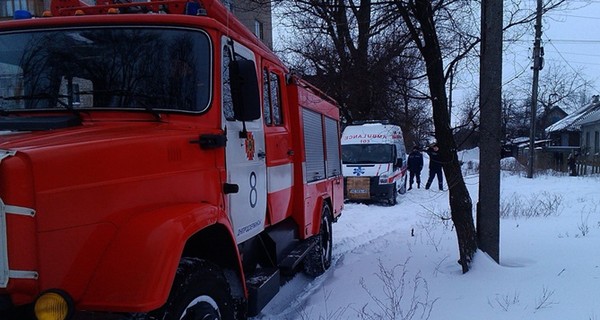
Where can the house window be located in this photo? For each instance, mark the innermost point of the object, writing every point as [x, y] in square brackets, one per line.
[258, 29]
[8, 7]
[76, 94]
[596, 142]
[587, 142]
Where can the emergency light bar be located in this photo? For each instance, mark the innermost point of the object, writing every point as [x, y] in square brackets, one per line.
[22, 14]
[76, 7]
[359, 122]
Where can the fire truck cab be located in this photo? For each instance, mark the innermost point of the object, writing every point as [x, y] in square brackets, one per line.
[157, 161]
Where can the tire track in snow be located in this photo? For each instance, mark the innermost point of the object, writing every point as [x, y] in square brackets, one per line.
[359, 228]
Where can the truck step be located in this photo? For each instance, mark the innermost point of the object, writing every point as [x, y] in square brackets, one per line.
[262, 286]
[295, 257]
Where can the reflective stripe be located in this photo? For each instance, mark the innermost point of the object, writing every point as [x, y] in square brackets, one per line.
[280, 177]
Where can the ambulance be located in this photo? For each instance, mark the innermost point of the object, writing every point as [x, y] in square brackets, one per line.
[373, 162]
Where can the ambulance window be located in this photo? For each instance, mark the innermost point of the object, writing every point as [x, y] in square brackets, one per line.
[266, 98]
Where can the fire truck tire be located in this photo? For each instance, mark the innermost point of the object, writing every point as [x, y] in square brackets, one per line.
[200, 291]
[318, 259]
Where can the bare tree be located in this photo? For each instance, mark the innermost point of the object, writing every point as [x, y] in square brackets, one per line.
[559, 86]
[562, 86]
[359, 50]
[418, 15]
[356, 51]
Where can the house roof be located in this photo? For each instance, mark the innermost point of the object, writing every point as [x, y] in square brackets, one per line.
[593, 116]
[573, 122]
[557, 109]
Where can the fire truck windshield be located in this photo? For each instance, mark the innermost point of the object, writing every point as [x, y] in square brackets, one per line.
[105, 68]
[367, 153]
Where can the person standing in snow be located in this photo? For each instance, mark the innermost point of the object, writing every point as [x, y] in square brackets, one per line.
[435, 166]
[415, 165]
[572, 162]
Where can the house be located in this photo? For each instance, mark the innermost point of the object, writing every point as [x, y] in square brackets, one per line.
[590, 134]
[255, 15]
[550, 116]
[577, 132]
[567, 132]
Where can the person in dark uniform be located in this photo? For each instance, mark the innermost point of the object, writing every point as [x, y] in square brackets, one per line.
[435, 166]
[415, 165]
[572, 162]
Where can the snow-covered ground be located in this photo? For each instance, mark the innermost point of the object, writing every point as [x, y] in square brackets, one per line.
[400, 262]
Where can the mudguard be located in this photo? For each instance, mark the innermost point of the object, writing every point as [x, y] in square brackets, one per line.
[316, 217]
[138, 267]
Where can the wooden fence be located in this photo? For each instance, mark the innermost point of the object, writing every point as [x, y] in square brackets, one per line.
[588, 166]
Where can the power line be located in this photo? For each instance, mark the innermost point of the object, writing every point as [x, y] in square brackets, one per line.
[574, 62]
[578, 41]
[579, 54]
[569, 65]
[578, 16]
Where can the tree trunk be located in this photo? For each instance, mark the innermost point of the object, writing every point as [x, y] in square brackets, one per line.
[461, 206]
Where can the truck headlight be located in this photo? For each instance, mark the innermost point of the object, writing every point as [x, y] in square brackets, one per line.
[53, 305]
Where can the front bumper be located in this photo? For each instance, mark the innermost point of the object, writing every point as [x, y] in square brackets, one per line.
[8, 312]
[366, 188]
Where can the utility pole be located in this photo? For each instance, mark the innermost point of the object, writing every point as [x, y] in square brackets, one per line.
[490, 105]
[538, 64]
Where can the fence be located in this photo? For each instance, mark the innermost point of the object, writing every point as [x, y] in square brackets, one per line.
[588, 166]
[557, 161]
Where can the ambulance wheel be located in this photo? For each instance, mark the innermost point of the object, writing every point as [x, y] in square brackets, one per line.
[200, 291]
[318, 259]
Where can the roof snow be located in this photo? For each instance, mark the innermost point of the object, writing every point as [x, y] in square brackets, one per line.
[573, 122]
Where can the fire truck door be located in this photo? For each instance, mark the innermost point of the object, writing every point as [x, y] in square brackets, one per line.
[245, 158]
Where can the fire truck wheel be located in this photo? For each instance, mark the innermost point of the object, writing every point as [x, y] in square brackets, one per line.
[319, 257]
[200, 291]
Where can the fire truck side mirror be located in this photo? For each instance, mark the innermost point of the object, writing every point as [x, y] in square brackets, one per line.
[244, 90]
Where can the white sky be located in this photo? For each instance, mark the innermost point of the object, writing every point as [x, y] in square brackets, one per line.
[570, 37]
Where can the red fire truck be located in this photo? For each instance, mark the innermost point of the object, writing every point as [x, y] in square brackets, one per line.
[156, 162]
